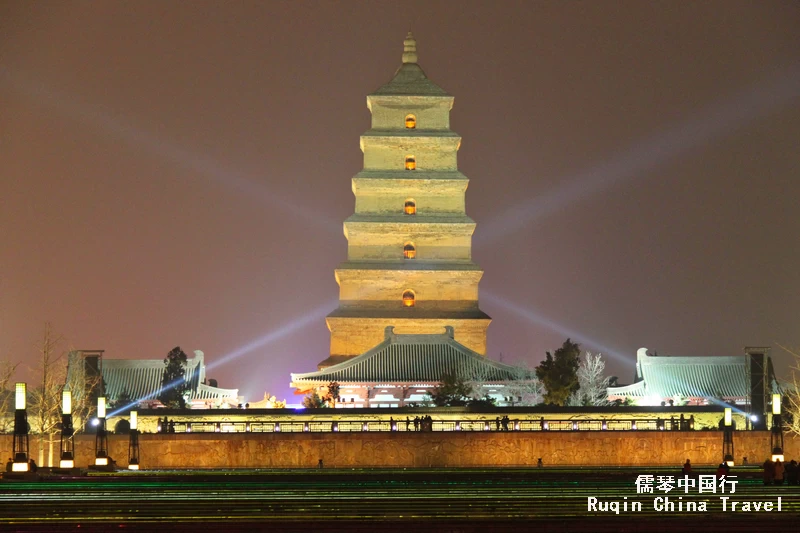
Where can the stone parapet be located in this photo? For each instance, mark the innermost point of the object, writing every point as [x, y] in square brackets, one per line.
[401, 450]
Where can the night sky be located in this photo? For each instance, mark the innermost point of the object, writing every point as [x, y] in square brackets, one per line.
[178, 173]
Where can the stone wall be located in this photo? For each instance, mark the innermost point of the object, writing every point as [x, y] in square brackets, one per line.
[441, 449]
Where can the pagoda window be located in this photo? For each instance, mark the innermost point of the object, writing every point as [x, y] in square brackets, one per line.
[411, 122]
[409, 298]
[411, 162]
[409, 251]
[410, 207]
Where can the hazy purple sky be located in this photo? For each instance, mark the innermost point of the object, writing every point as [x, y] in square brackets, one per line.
[177, 173]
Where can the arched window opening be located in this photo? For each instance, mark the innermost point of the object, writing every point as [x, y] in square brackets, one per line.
[411, 122]
[411, 162]
[410, 207]
[409, 298]
[409, 251]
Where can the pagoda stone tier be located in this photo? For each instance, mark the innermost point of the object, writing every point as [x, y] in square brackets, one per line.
[409, 241]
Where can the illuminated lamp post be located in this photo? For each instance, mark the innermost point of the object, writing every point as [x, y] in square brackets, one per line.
[67, 430]
[20, 430]
[101, 440]
[133, 443]
[776, 435]
[727, 438]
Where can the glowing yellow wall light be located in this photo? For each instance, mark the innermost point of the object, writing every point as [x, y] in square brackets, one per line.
[134, 420]
[776, 404]
[101, 407]
[728, 416]
[21, 393]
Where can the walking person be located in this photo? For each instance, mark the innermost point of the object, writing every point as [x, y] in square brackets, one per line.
[769, 472]
[791, 473]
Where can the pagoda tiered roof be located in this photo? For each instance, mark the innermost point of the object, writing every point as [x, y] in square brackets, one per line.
[410, 79]
[412, 359]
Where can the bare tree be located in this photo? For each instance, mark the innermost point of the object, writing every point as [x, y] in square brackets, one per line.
[524, 388]
[593, 383]
[791, 394]
[7, 370]
[45, 405]
[85, 388]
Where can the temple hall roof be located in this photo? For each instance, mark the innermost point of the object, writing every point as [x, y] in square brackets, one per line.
[411, 359]
[698, 377]
[141, 378]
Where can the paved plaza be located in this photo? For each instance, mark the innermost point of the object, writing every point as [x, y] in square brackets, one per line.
[458, 500]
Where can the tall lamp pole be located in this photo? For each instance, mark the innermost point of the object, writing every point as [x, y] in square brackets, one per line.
[727, 438]
[67, 431]
[133, 444]
[101, 440]
[776, 435]
[20, 429]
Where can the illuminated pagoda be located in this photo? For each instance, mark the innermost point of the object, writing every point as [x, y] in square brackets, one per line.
[140, 379]
[409, 242]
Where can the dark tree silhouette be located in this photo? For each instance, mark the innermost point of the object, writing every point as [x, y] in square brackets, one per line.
[173, 382]
[559, 373]
[313, 401]
[452, 391]
[333, 393]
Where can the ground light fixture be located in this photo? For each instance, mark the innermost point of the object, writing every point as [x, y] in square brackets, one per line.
[21, 441]
[133, 443]
[101, 439]
[727, 438]
[776, 434]
[67, 431]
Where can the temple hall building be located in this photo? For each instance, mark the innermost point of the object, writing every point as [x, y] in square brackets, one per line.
[746, 381]
[409, 254]
[140, 380]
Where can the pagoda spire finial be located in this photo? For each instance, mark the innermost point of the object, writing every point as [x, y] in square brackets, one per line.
[410, 49]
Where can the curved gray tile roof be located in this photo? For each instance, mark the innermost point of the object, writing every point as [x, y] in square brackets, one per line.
[412, 358]
[141, 378]
[705, 376]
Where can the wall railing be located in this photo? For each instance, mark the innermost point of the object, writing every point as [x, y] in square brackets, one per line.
[423, 425]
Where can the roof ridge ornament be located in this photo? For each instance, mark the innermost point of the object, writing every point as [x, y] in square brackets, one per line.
[409, 49]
